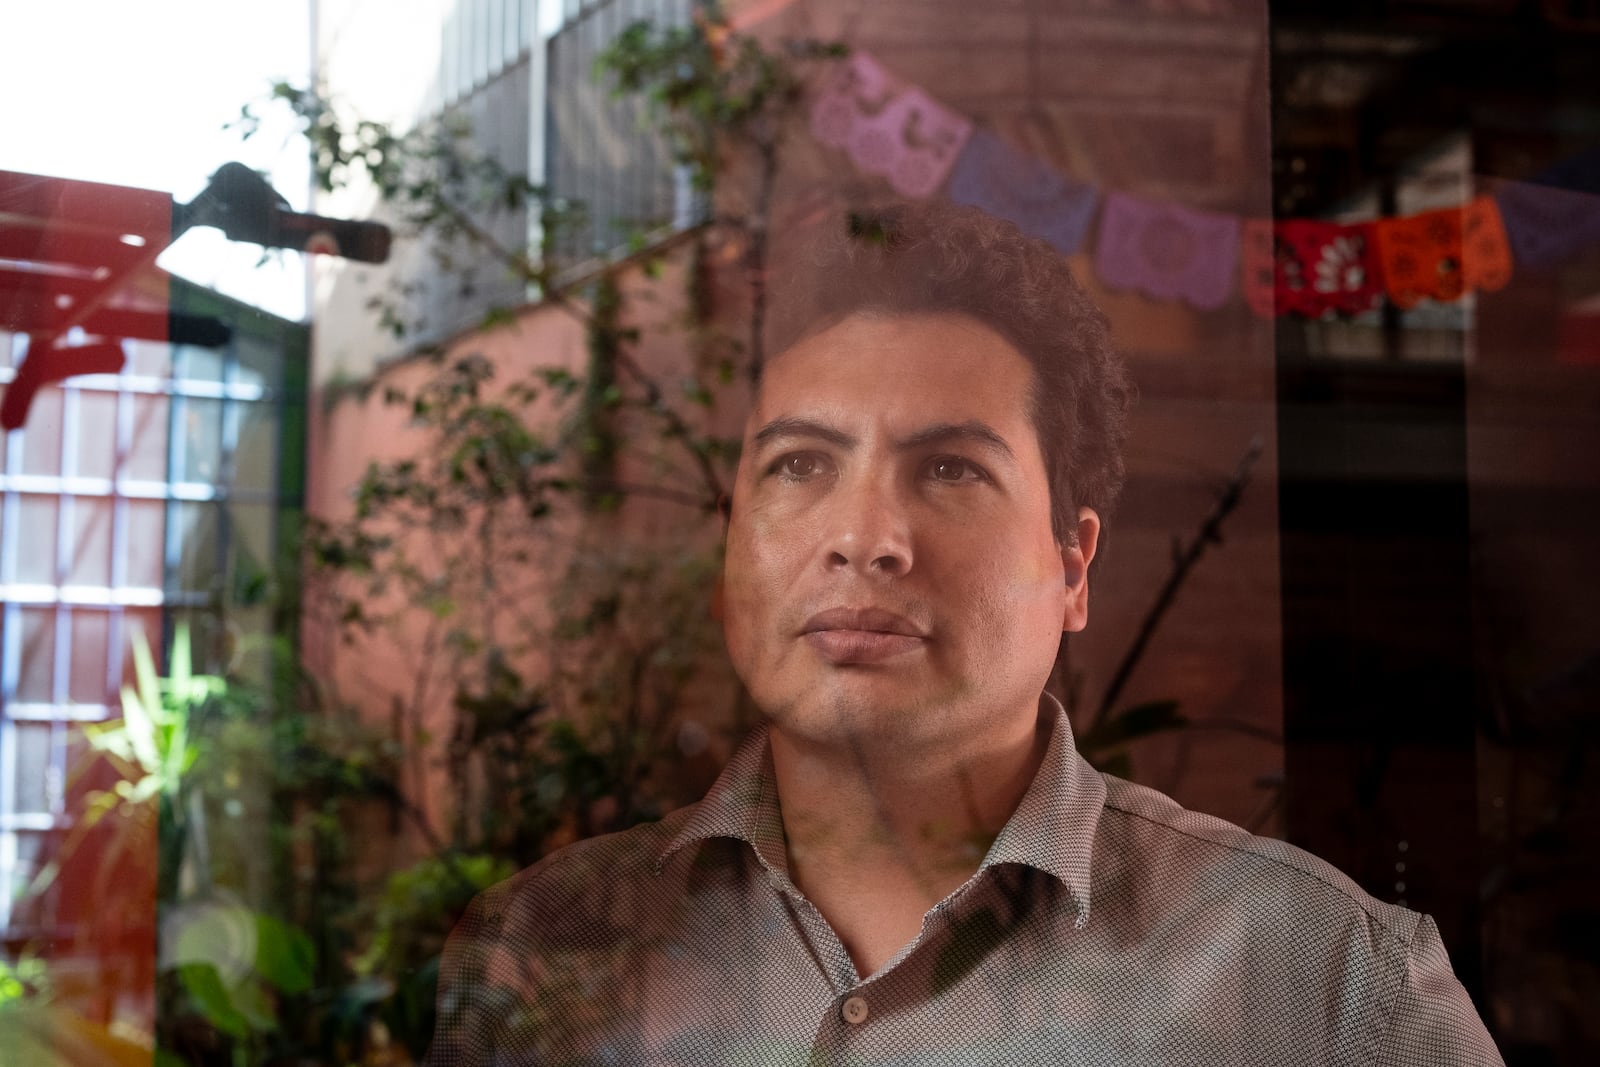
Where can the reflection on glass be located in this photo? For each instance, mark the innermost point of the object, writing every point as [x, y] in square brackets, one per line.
[150, 358]
[147, 452]
[259, 363]
[137, 622]
[199, 454]
[198, 567]
[36, 547]
[97, 434]
[26, 909]
[209, 646]
[41, 435]
[255, 458]
[36, 678]
[146, 552]
[91, 645]
[252, 549]
[197, 364]
[30, 792]
[90, 562]
[249, 655]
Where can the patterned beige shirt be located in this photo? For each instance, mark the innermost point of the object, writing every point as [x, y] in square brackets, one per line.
[1106, 925]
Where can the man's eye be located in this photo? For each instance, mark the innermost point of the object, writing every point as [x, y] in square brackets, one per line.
[953, 469]
[802, 465]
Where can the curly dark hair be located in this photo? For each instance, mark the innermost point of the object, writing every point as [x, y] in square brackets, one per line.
[929, 257]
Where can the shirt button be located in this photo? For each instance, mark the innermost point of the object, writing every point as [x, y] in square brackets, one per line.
[854, 1011]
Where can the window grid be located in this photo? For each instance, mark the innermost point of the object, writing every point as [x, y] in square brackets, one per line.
[64, 607]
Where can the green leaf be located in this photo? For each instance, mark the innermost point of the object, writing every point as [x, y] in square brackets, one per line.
[141, 709]
[204, 984]
[182, 664]
[139, 731]
[255, 1003]
[285, 957]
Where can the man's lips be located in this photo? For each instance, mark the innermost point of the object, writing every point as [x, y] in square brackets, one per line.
[861, 635]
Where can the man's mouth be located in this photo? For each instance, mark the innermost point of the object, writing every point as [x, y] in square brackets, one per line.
[850, 636]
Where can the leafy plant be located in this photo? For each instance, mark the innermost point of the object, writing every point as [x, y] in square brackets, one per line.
[149, 749]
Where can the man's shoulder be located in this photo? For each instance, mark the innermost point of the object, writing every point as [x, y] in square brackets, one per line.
[1161, 838]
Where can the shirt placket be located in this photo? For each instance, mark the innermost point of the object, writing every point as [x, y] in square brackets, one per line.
[850, 1032]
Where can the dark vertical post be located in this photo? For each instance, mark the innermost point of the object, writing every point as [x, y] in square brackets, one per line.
[1379, 717]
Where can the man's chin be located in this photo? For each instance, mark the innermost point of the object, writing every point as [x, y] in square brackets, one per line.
[852, 711]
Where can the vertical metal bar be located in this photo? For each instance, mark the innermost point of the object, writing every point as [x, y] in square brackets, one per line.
[630, 171]
[10, 661]
[609, 174]
[177, 406]
[66, 528]
[586, 29]
[10, 655]
[227, 472]
[119, 529]
[8, 853]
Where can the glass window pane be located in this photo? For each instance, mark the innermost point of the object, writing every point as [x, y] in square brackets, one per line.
[255, 460]
[251, 549]
[147, 453]
[152, 358]
[36, 673]
[197, 364]
[91, 640]
[137, 621]
[147, 524]
[37, 518]
[41, 434]
[198, 453]
[209, 647]
[198, 567]
[97, 433]
[26, 909]
[250, 643]
[90, 563]
[260, 362]
[32, 750]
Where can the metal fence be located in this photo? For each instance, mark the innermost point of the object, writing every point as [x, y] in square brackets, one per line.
[600, 152]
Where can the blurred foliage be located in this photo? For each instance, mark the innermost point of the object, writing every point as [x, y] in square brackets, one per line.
[551, 639]
[554, 654]
[709, 89]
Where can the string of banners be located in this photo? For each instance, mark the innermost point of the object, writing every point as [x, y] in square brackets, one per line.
[895, 130]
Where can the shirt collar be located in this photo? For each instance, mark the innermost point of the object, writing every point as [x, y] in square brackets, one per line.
[1052, 829]
[741, 804]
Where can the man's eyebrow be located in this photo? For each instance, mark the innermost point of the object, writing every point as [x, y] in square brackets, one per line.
[972, 431]
[799, 426]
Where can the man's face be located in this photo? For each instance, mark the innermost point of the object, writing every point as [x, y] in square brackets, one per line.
[891, 570]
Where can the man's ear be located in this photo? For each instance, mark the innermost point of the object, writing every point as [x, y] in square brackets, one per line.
[1075, 560]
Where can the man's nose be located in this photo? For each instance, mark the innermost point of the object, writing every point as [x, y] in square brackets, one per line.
[869, 528]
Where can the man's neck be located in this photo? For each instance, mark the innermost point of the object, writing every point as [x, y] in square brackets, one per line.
[876, 836]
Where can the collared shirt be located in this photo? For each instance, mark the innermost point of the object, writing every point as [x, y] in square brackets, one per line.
[1106, 925]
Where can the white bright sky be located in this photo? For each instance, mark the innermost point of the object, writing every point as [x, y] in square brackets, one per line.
[137, 92]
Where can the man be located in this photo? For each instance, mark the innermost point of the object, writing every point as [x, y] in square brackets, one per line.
[909, 863]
